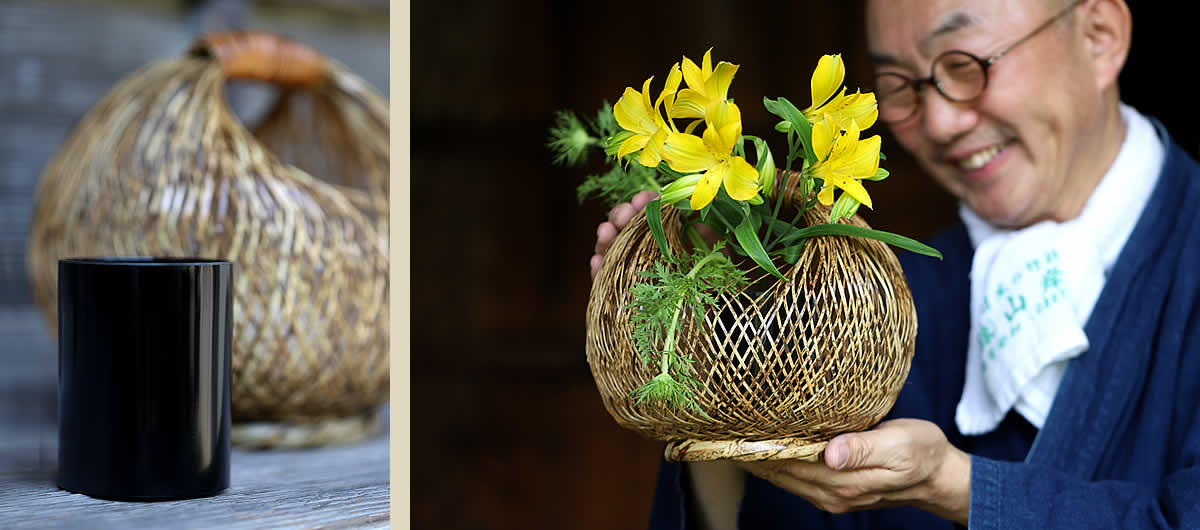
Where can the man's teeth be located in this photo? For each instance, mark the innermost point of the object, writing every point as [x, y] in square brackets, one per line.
[977, 160]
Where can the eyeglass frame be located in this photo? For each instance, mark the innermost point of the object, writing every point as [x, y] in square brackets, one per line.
[985, 64]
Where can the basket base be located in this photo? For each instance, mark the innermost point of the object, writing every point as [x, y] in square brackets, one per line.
[743, 450]
[326, 432]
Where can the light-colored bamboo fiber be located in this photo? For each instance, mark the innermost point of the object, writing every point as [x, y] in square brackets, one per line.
[824, 353]
[162, 167]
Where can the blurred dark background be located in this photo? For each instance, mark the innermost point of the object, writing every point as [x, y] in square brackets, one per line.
[508, 428]
[508, 431]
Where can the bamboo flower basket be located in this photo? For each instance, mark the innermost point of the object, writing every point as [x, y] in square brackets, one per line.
[782, 367]
[162, 167]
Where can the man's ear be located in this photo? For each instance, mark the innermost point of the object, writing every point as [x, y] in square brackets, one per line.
[1107, 27]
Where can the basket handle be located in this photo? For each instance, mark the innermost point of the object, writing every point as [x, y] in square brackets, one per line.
[262, 56]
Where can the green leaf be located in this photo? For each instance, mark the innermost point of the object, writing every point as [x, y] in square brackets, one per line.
[569, 139]
[765, 164]
[654, 219]
[684, 204]
[792, 253]
[694, 238]
[858, 231]
[785, 109]
[879, 175]
[615, 141]
[782, 228]
[748, 238]
[728, 212]
[616, 186]
[663, 167]
[755, 220]
[605, 124]
[844, 206]
[680, 188]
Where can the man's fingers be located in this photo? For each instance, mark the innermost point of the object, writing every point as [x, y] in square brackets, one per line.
[618, 217]
[642, 198]
[882, 446]
[596, 263]
[621, 215]
[605, 233]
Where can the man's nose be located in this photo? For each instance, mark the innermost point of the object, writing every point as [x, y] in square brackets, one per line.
[943, 119]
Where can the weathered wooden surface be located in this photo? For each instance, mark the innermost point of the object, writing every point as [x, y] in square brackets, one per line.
[335, 487]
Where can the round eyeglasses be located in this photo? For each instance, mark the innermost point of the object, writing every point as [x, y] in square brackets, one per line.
[956, 75]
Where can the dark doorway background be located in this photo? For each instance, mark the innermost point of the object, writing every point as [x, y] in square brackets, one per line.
[508, 429]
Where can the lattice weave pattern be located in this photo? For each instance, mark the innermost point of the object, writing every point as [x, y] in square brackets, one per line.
[162, 167]
[824, 353]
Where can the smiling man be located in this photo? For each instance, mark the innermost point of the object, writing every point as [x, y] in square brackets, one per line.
[1056, 382]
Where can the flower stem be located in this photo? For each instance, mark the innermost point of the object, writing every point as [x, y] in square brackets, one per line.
[653, 184]
[669, 346]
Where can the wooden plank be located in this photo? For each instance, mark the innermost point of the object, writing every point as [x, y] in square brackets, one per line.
[334, 487]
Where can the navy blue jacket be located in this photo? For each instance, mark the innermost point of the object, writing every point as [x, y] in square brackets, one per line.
[1121, 445]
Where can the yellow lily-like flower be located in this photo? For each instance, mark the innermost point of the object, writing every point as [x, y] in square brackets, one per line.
[829, 102]
[707, 87]
[712, 156]
[636, 114]
[845, 160]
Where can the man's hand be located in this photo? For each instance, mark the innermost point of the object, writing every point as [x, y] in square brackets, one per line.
[617, 219]
[900, 462]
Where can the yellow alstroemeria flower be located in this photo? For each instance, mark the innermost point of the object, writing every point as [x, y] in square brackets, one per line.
[636, 114]
[706, 88]
[713, 156]
[845, 160]
[828, 101]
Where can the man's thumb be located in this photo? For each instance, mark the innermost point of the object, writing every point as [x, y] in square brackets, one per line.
[847, 451]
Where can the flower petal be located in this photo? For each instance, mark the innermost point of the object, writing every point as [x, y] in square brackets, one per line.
[855, 189]
[646, 95]
[707, 68]
[706, 189]
[669, 89]
[824, 132]
[687, 153]
[631, 115]
[864, 161]
[742, 180]
[826, 194]
[689, 104]
[826, 79]
[726, 119]
[652, 154]
[692, 75]
[844, 146]
[713, 142]
[717, 86]
[858, 107]
[633, 144]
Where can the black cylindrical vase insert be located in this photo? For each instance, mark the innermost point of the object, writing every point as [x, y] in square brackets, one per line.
[143, 377]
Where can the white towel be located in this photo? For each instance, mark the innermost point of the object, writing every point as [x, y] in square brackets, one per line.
[1033, 289]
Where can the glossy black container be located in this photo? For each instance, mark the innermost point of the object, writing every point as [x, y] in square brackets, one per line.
[143, 377]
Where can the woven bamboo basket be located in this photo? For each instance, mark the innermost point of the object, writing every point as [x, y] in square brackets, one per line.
[782, 367]
[161, 166]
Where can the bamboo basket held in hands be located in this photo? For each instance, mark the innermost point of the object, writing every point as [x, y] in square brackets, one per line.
[162, 167]
[781, 371]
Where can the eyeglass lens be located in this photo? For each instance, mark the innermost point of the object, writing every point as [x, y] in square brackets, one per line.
[958, 76]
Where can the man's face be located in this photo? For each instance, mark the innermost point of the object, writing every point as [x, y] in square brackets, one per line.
[1011, 153]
